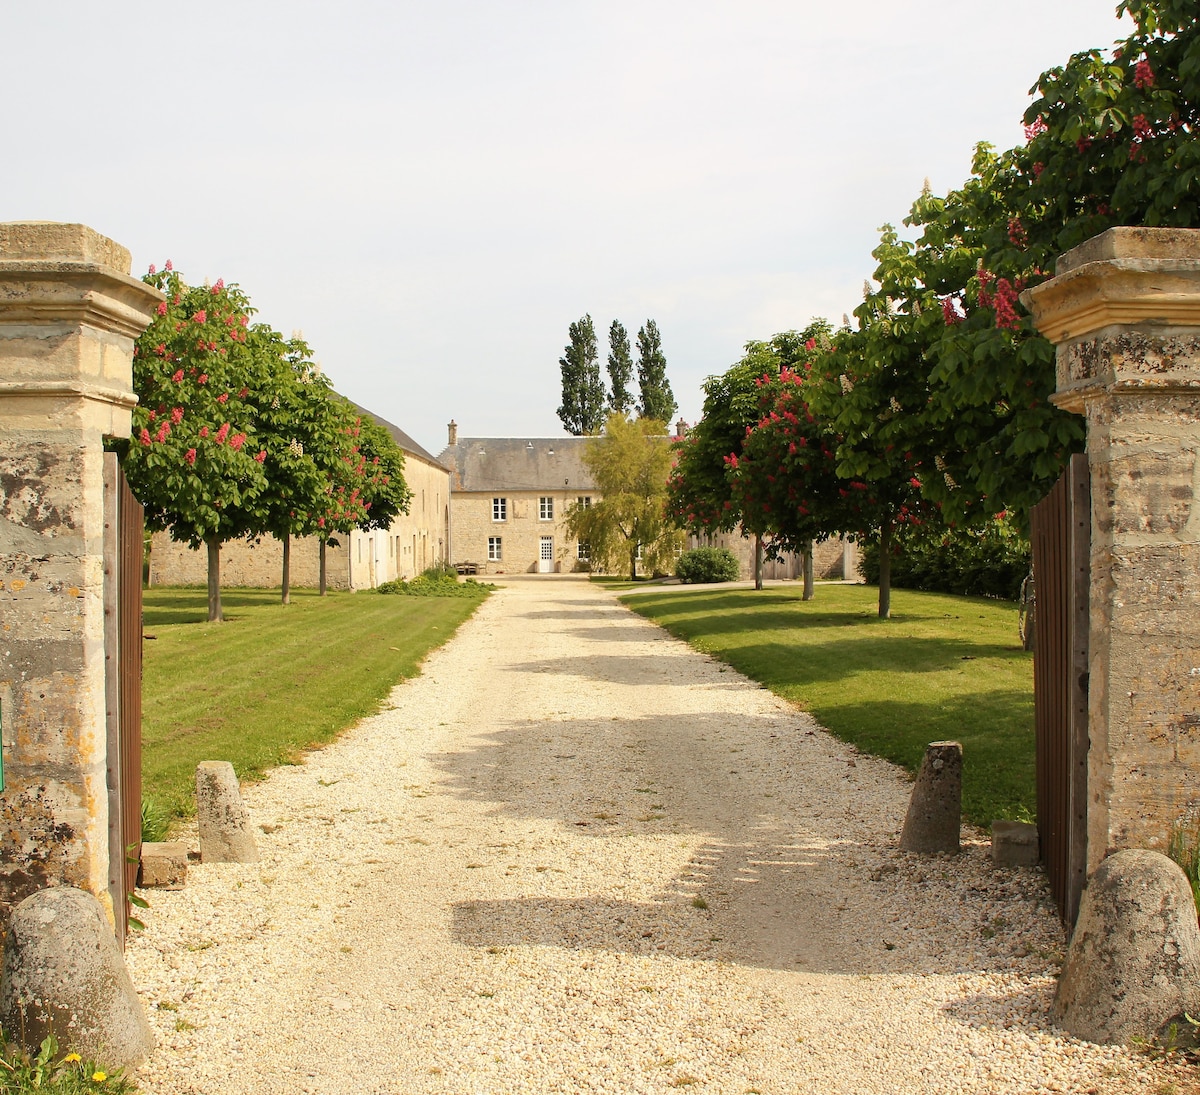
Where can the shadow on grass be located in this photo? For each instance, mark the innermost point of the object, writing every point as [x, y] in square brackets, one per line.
[162, 606]
[729, 610]
[782, 666]
[999, 778]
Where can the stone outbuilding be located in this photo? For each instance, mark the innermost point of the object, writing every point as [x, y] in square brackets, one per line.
[364, 559]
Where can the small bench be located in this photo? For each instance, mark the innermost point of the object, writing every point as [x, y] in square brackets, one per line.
[466, 568]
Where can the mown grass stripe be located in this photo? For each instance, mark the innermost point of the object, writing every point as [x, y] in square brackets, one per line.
[272, 680]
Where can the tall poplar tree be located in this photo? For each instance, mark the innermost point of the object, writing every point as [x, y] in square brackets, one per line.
[583, 395]
[657, 399]
[620, 368]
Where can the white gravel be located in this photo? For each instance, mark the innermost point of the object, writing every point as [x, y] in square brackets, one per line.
[577, 856]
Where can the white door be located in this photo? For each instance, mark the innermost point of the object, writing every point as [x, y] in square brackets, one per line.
[546, 556]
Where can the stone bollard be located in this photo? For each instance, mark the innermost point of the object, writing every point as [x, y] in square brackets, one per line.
[1133, 966]
[225, 835]
[935, 808]
[64, 975]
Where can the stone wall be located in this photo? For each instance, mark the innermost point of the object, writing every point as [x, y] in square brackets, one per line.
[256, 564]
[829, 558]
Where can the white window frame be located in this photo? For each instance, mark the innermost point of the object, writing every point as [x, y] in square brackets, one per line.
[546, 507]
[499, 509]
[584, 501]
[495, 549]
[583, 551]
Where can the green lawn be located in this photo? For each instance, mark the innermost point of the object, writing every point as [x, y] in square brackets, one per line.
[942, 668]
[272, 680]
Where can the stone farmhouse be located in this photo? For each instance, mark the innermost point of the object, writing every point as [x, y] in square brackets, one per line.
[509, 497]
[362, 560]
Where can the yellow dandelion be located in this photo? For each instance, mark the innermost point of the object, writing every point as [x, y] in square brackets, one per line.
[99, 1077]
[74, 1058]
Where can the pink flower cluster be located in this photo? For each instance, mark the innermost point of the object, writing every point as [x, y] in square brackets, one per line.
[1143, 75]
[1000, 300]
[1035, 128]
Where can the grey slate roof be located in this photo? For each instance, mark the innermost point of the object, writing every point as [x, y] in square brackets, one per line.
[399, 436]
[517, 463]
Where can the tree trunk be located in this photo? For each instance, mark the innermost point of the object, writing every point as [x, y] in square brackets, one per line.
[806, 559]
[214, 579]
[758, 560]
[633, 563]
[286, 582]
[885, 570]
[322, 580]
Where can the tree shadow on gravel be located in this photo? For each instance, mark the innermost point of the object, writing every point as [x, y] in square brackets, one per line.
[790, 866]
[629, 669]
[1026, 1008]
[580, 610]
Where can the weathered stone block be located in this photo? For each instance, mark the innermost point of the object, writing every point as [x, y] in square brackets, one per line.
[64, 975]
[935, 808]
[1014, 844]
[164, 864]
[1133, 966]
[225, 835]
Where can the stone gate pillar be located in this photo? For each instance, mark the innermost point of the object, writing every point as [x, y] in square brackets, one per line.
[1124, 313]
[69, 314]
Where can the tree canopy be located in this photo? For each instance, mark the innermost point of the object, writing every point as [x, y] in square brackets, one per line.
[656, 400]
[620, 369]
[583, 395]
[629, 462]
[701, 495]
[237, 434]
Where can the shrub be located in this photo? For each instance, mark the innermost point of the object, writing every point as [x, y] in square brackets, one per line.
[436, 582]
[708, 564]
[990, 561]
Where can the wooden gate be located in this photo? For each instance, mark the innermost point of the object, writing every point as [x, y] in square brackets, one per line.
[1061, 535]
[123, 552]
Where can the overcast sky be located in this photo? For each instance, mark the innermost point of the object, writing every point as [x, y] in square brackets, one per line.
[432, 192]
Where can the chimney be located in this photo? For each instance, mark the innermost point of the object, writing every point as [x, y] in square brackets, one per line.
[452, 427]
[680, 428]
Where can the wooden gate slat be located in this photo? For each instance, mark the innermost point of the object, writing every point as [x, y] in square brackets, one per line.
[1060, 534]
[123, 682]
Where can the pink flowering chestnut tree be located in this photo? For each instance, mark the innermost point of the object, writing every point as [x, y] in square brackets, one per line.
[194, 459]
[701, 496]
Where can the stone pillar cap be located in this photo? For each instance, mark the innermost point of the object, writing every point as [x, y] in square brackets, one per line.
[54, 242]
[1123, 277]
[1171, 244]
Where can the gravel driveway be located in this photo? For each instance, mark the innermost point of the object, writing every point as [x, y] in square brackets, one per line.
[577, 856]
